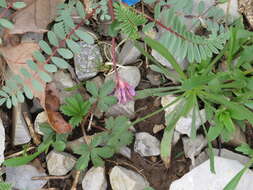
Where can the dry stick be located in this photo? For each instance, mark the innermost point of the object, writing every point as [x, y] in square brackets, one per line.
[34, 136]
[19, 153]
[51, 177]
[76, 179]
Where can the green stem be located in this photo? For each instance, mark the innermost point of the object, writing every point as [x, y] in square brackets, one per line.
[154, 113]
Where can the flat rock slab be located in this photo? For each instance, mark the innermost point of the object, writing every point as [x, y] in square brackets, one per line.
[20, 177]
[201, 178]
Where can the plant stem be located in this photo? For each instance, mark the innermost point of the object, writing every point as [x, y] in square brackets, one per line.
[154, 113]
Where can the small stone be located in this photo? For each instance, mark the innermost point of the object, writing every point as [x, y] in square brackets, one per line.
[122, 178]
[154, 78]
[62, 81]
[36, 108]
[2, 142]
[75, 143]
[184, 124]
[95, 179]
[60, 163]
[202, 178]
[40, 118]
[130, 74]
[21, 133]
[157, 128]
[125, 151]
[176, 137]
[88, 61]
[233, 10]
[20, 177]
[129, 53]
[146, 144]
[122, 110]
[192, 147]
[32, 37]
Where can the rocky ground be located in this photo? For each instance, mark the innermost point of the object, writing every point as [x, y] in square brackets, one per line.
[137, 166]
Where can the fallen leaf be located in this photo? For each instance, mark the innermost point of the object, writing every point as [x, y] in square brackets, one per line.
[35, 17]
[58, 123]
[16, 58]
[55, 118]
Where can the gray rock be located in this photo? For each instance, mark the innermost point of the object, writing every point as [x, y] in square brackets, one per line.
[20, 177]
[184, 124]
[40, 118]
[131, 75]
[192, 147]
[2, 142]
[62, 81]
[146, 144]
[95, 179]
[233, 10]
[60, 163]
[129, 53]
[122, 178]
[32, 37]
[154, 78]
[36, 106]
[88, 61]
[202, 178]
[238, 138]
[74, 143]
[203, 156]
[21, 133]
[122, 109]
[125, 151]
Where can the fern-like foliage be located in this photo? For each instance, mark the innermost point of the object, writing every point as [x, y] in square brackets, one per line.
[61, 45]
[128, 20]
[187, 44]
[76, 108]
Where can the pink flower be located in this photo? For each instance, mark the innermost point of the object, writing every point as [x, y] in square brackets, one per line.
[124, 92]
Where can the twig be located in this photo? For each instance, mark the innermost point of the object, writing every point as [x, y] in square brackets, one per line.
[76, 179]
[34, 136]
[51, 177]
[19, 153]
[90, 122]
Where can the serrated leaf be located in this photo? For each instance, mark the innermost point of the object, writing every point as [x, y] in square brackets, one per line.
[65, 53]
[59, 146]
[92, 88]
[104, 152]
[107, 88]
[45, 47]
[52, 38]
[5, 23]
[82, 162]
[75, 48]
[59, 62]
[85, 36]
[96, 160]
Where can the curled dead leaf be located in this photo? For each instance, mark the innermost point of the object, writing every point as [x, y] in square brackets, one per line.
[55, 118]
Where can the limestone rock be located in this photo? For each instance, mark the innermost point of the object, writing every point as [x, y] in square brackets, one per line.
[95, 179]
[2, 142]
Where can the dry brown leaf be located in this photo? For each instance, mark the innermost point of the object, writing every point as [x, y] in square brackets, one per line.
[16, 57]
[55, 118]
[35, 17]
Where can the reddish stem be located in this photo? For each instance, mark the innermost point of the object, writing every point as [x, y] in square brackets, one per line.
[5, 10]
[62, 42]
[113, 42]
